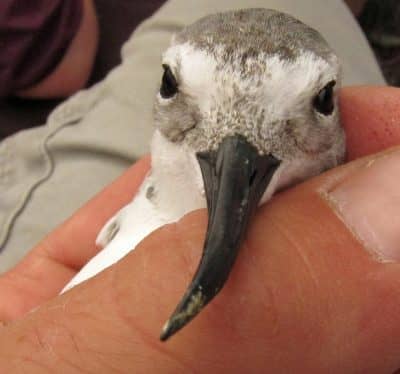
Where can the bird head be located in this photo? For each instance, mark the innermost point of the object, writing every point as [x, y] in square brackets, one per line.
[252, 94]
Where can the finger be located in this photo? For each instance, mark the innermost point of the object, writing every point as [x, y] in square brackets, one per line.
[370, 116]
[57, 258]
[307, 293]
[296, 281]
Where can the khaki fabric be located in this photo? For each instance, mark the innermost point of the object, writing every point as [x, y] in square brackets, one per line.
[46, 173]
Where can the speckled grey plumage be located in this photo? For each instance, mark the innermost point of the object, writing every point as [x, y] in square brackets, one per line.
[254, 31]
[241, 42]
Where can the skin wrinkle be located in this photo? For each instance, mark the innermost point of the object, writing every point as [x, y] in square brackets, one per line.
[58, 336]
[269, 304]
[74, 342]
[34, 276]
[48, 249]
[279, 226]
[61, 305]
[52, 246]
[100, 359]
[146, 337]
[288, 235]
[102, 356]
[39, 339]
[79, 365]
[37, 345]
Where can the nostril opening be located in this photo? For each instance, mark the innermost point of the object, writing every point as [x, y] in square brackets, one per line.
[252, 177]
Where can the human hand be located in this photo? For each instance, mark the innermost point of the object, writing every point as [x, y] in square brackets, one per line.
[307, 293]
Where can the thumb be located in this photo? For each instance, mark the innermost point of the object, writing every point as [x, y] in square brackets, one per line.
[316, 288]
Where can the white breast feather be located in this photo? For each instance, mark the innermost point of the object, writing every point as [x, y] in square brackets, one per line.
[174, 196]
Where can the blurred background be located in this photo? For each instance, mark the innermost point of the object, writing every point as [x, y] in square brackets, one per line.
[380, 21]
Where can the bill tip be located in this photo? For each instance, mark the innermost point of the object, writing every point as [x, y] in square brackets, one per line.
[166, 331]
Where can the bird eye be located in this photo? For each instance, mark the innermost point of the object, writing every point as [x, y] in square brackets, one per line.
[324, 101]
[169, 85]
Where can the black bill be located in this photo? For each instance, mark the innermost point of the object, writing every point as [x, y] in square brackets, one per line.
[235, 178]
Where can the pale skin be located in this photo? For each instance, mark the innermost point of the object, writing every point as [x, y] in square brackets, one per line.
[73, 71]
[304, 295]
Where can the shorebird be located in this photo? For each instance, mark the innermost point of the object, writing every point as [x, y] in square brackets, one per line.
[247, 106]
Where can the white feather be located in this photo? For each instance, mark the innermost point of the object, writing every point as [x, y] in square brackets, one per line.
[179, 190]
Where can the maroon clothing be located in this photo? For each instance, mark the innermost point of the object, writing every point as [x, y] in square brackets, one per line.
[117, 19]
[34, 36]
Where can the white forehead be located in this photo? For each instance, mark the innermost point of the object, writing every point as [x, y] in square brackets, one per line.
[283, 85]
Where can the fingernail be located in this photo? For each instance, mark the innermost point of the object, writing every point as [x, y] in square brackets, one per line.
[369, 204]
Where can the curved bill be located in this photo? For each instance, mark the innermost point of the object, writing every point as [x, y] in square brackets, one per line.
[235, 178]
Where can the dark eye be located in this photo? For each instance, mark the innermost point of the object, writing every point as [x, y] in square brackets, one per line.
[324, 101]
[169, 85]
